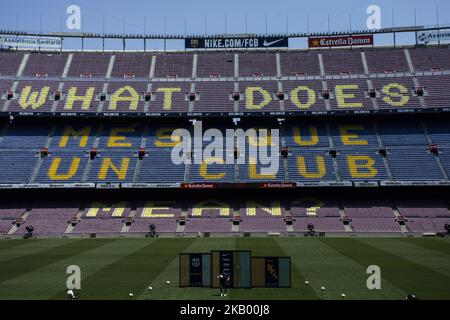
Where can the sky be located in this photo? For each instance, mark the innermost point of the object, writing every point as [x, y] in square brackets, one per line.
[215, 17]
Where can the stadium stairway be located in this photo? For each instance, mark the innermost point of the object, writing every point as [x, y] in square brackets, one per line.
[331, 144]
[40, 161]
[430, 142]
[180, 228]
[415, 80]
[78, 216]
[236, 214]
[63, 76]
[324, 82]
[347, 227]
[67, 66]
[236, 84]
[18, 75]
[386, 163]
[280, 84]
[23, 217]
[143, 143]
[369, 81]
[288, 214]
[13, 229]
[125, 227]
[194, 75]
[95, 145]
[106, 84]
[403, 228]
[149, 85]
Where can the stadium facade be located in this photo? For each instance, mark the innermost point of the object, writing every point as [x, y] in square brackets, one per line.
[98, 125]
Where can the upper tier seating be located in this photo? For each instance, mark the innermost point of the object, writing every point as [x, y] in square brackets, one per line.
[327, 151]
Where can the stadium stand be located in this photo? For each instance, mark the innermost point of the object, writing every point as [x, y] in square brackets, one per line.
[131, 66]
[215, 65]
[363, 216]
[89, 65]
[342, 62]
[123, 108]
[369, 80]
[50, 219]
[45, 65]
[10, 62]
[349, 151]
[299, 64]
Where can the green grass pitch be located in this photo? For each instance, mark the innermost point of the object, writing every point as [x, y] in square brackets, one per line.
[113, 268]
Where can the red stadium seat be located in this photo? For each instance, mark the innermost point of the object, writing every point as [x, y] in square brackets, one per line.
[44, 152]
[434, 149]
[93, 153]
[141, 153]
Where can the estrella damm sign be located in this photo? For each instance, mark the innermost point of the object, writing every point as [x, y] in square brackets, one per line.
[341, 41]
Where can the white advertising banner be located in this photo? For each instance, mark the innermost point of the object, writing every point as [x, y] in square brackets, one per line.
[30, 42]
[434, 36]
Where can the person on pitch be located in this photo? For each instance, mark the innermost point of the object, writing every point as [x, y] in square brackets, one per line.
[224, 282]
[71, 295]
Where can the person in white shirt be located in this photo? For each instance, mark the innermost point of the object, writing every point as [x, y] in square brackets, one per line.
[71, 295]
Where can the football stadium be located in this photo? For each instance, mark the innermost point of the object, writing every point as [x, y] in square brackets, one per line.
[236, 161]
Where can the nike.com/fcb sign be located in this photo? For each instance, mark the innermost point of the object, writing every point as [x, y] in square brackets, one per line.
[341, 41]
[236, 43]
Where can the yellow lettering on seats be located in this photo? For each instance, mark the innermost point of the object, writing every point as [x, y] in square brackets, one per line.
[295, 99]
[108, 164]
[168, 92]
[34, 99]
[302, 168]
[355, 166]
[299, 140]
[118, 141]
[395, 94]
[166, 134]
[224, 209]
[150, 207]
[204, 169]
[351, 139]
[73, 97]
[53, 171]
[311, 205]
[274, 210]
[118, 211]
[253, 171]
[341, 96]
[261, 140]
[69, 131]
[132, 98]
[249, 98]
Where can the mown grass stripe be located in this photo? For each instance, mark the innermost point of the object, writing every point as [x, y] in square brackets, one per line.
[134, 272]
[8, 244]
[322, 265]
[30, 262]
[118, 266]
[271, 247]
[441, 245]
[50, 281]
[404, 274]
[434, 260]
[30, 247]
[95, 260]
[162, 291]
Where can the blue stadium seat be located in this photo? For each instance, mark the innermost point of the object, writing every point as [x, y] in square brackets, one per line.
[17, 167]
[318, 165]
[413, 164]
